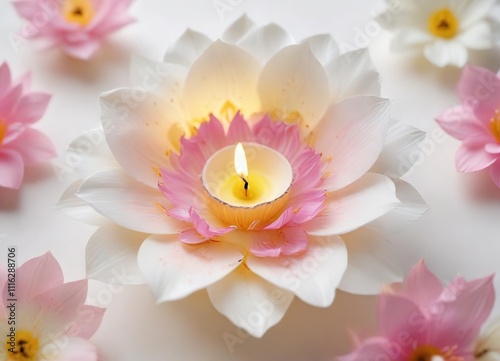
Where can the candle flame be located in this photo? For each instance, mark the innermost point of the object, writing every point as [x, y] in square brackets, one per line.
[240, 162]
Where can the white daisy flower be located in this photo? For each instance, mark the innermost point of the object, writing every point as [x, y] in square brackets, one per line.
[444, 29]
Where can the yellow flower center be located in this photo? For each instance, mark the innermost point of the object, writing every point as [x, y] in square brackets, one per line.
[23, 347]
[79, 12]
[432, 353]
[3, 130]
[494, 125]
[443, 23]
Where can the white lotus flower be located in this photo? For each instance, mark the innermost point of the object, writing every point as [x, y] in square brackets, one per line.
[174, 210]
[443, 29]
[488, 345]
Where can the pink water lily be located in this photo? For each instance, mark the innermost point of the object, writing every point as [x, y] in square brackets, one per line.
[476, 122]
[77, 26]
[317, 111]
[43, 318]
[422, 320]
[20, 144]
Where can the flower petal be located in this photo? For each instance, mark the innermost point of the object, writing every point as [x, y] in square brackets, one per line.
[401, 150]
[411, 209]
[263, 42]
[273, 243]
[473, 158]
[323, 46]
[187, 48]
[75, 349]
[400, 314]
[37, 276]
[461, 123]
[409, 37]
[351, 137]
[12, 165]
[111, 255]
[371, 262]
[422, 286]
[352, 74]
[77, 208]
[312, 275]
[222, 78]
[442, 53]
[140, 136]
[175, 270]
[34, 146]
[294, 82]
[129, 203]
[480, 89]
[83, 49]
[162, 79]
[87, 322]
[5, 78]
[89, 154]
[464, 308]
[238, 29]
[249, 302]
[475, 10]
[369, 349]
[478, 36]
[495, 173]
[31, 107]
[368, 198]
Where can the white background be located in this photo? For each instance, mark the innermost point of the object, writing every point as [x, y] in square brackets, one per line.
[460, 234]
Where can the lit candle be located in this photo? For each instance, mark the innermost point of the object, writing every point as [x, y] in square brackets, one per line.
[247, 191]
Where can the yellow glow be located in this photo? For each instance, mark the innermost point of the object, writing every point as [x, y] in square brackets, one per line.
[3, 130]
[26, 348]
[79, 12]
[233, 189]
[443, 23]
[426, 353]
[494, 125]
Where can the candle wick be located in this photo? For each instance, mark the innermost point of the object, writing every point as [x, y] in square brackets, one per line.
[245, 187]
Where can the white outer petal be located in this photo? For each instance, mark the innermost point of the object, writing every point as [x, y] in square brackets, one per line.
[163, 79]
[350, 137]
[407, 38]
[477, 36]
[174, 270]
[442, 53]
[401, 150]
[263, 42]
[77, 208]
[89, 153]
[111, 255]
[293, 80]
[371, 263]
[238, 29]
[250, 302]
[411, 209]
[352, 74]
[323, 46]
[313, 275]
[140, 131]
[187, 48]
[222, 73]
[365, 200]
[475, 10]
[129, 203]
